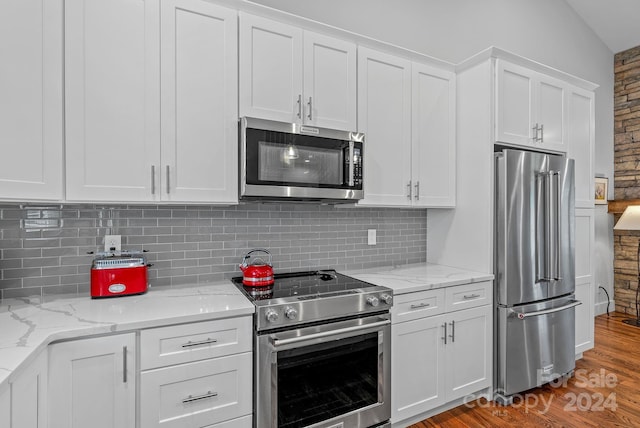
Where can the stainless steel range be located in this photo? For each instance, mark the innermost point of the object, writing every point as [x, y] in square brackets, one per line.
[322, 351]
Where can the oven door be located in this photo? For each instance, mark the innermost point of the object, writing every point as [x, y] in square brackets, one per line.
[283, 160]
[331, 375]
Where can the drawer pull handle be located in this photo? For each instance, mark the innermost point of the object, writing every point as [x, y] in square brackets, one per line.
[472, 296]
[420, 305]
[192, 398]
[208, 341]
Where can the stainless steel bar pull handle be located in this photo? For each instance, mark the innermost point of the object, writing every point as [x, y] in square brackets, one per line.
[153, 179]
[535, 130]
[419, 305]
[453, 332]
[540, 218]
[310, 104]
[351, 165]
[417, 195]
[470, 296]
[541, 133]
[409, 190]
[445, 333]
[191, 398]
[523, 315]
[300, 106]
[555, 213]
[124, 364]
[207, 341]
[168, 181]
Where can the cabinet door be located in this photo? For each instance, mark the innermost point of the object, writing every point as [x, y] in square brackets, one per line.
[468, 351]
[329, 82]
[514, 102]
[29, 396]
[270, 69]
[584, 279]
[580, 138]
[551, 112]
[418, 367]
[92, 383]
[31, 106]
[112, 71]
[433, 137]
[384, 115]
[5, 408]
[199, 102]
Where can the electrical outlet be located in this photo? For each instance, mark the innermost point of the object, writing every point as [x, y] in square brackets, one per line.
[112, 243]
[371, 237]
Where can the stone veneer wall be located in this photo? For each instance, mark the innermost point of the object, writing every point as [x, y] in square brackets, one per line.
[43, 248]
[627, 173]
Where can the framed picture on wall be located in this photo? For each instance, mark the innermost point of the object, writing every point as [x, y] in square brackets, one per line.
[601, 186]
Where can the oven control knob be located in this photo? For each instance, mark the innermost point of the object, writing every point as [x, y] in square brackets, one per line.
[290, 313]
[271, 315]
[373, 301]
[387, 299]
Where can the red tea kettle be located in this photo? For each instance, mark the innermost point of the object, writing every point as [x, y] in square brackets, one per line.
[258, 273]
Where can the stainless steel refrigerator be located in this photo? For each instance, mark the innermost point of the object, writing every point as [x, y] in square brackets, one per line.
[534, 270]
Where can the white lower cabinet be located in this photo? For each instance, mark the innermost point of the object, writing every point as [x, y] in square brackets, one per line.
[197, 394]
[585, 293]
[29, 396]
[92, 382]
[5, 408]
[196, 375]
[439, 355]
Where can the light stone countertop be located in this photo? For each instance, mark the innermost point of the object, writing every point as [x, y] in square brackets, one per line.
[28, 325]
[418, 277]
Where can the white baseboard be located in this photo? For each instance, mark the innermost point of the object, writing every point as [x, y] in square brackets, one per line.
[601, 307]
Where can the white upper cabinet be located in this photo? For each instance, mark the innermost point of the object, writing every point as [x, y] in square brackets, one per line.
[384, 115]
[31, 101]
[123, 70]
[580, 138]
[199, 81]
[433, 135]
[407, 113]
[530, 108]
[296, 76]
[112, 79]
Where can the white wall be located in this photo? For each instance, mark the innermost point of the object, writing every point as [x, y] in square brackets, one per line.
[547, 31]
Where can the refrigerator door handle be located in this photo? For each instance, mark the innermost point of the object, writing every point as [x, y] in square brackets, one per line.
[541, 220]
[554, 208]
[523, 315]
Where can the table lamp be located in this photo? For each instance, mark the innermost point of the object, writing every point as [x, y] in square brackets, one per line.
[630, 220]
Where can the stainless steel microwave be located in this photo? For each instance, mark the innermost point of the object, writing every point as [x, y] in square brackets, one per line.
[288, 161]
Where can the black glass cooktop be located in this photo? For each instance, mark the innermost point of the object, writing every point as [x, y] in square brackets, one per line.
[303, 285]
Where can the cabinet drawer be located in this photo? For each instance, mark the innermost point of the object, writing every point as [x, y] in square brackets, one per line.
[412, 306]
[197, 394]
[243, 422]
[184, 343]
[468, 296]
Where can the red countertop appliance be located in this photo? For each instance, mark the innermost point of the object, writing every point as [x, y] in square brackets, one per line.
[258, 273]
[118, 274]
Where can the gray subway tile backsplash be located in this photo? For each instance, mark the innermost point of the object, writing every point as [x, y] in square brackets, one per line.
[44, 248]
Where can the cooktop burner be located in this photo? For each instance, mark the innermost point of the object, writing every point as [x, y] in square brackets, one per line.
[300, 297]
[308, 285]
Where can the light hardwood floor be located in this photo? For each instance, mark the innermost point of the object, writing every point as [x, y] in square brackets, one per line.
[604, 392]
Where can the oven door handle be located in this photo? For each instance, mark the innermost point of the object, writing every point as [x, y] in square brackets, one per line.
[283, 342]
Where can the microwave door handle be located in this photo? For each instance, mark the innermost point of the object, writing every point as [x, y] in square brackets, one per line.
[351, 165]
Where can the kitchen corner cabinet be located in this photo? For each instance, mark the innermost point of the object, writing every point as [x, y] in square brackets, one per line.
[29, 396]
[585, 287]
[441, 347]
[123, 68]
[92, 382]
[531, 108]
[407, 113]
[31, 109]
[293, 75]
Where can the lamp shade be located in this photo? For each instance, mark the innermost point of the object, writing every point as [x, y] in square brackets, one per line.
[630, 219]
